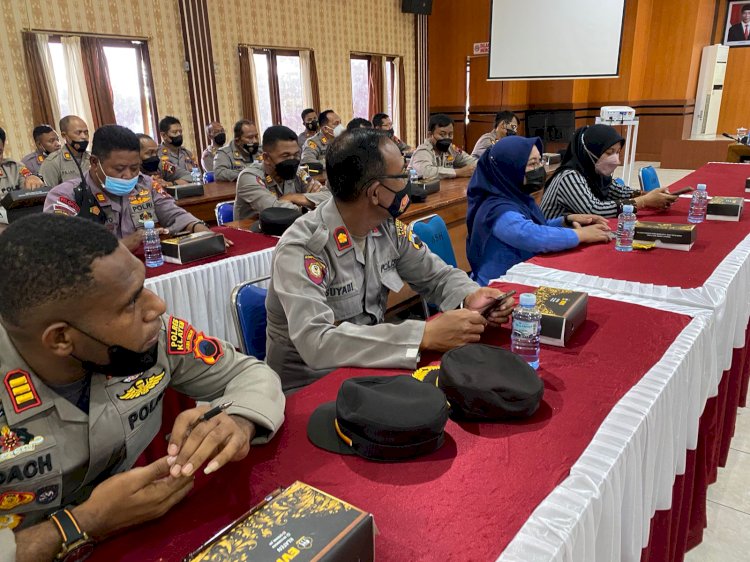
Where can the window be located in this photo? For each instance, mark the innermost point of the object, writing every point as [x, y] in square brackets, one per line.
[278, 77]
[360, 86]
[61, 76]
[389, 81]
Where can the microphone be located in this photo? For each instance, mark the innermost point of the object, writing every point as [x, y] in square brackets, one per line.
[735, 139]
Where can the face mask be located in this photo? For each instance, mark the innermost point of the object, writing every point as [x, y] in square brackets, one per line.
[606, 165]
[251, 148]
[287, 169]
[338, 130]
[389, 132]
[312, 125]
[510, 133]
[176, 141]
[122, 361]
[534, 180]
[80, 146]
[117, 186]
[150, 165]
[444, 145]
[401, 201]
[220, 139]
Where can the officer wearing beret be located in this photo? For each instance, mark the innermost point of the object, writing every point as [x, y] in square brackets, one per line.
[163, 172]
[171, 149]
[47, 142]
[382, 122]
[335, 266]
[438, 157]
[242, 152]
[316, 146]
[86, 356]
[72, 160]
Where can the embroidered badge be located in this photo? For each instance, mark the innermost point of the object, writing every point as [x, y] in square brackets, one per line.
[23, 395]
[312, 145]
[269, 179]
[168, 167]
[323, 140]
[47, 494]
[184, 339]
[10, 521]
[450, 158]
[10, 500]
[40, 158]
[136, 200]
[131, 378]
[238, 164]
[401, 228]
[94, 210]
[343, 240]
[24, 171]
[61, 209]
[16, 441]
[207, 349]
[237, 154]
[67, 155]
[101, 198]
[142, 387]
[316, 269]
[70, 203]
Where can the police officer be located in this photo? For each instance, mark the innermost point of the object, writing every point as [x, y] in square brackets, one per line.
[163, 172]
[117, 195]
[14, 175]
[335, 266]
[72, 160]
[316, 146]
[217, 138]
[47, 142]
[170, 130]
[86, 356]
[438, 157]
[278, 180]
[382, 122]
[310, 122]
[506, 125]
[242, 152]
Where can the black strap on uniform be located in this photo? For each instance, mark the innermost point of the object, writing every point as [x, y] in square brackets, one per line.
[86, 202]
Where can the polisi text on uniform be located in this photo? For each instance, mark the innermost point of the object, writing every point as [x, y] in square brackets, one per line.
[144, 411]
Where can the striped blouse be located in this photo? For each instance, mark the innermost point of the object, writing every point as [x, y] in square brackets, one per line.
[570, 193]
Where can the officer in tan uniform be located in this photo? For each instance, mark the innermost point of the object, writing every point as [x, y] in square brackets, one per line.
[13, 175]
[216, 139]
[316, 146]
[310, 122]
[47, 142]
[86, 355]
[277, 181]
[506, 125]
[335, 266]
[72, 160]
[383, 122]
[170, 130]
[438, 157]
[161, 171]
[242, 152]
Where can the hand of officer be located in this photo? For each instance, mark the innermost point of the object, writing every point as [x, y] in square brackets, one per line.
[484, 299]
[314, 186]
[222, 438]
[466, 171]
[131, 497]
[33, 182]
[203, 228]
[298, 199]
[133, 241]
[453, 329]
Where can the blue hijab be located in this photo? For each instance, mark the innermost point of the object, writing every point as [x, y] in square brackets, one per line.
[494, 189]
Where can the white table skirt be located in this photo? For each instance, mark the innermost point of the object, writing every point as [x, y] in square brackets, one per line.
[201, 294]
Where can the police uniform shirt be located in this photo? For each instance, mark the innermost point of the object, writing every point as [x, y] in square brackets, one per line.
[257, 190]
[12, 176]
[33, 161]
[303, 136]
[61, 166]
[327, 299]
[53, 453]
[430, 164]
[315, 149]
[230, 160]
[171, 173]
[484, 143]
[207, 158]
[123, 215]
[182, 158]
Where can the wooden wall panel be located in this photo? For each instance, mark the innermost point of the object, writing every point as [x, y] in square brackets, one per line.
[735, 101]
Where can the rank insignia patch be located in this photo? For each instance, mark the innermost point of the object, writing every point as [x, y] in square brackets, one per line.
[67, 156]
[401, 228]
[40, 158]
[324, 140]
[94, 210]
[10, 500]
[343, 241]
[101, 197]
[312, 145]
[21, 390]
[316, 269]
[142, 387]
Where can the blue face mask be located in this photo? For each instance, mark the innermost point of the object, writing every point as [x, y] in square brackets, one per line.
[117, 186]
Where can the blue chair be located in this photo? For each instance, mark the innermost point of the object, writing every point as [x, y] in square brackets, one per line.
[224, 212]
[434, 233]
[249, 313]
[648, 178]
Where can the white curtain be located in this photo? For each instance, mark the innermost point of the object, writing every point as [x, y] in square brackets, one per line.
[42, 41]
[396, 97]
[304, 63]
[254, 80]
[78, 98]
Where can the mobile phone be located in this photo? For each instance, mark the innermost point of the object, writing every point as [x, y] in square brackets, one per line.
[682, 191]
[498, 301]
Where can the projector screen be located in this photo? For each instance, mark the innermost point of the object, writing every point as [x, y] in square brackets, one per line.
[555, 39]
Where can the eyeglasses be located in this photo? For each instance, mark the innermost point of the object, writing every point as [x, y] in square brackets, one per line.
[401, 176]
[511, 126]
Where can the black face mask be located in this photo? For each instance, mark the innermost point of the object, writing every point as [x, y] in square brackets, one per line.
[220, 139]
[287, 169]
[251, 148]
[399, 205]
[510, 133]
[534, 180]
[312, 125]
[389, 132]
[150, 165]
[444, 145]
[79, 146]
[122, 362]
[176, 141]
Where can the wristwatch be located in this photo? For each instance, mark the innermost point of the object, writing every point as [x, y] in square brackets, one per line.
[196, 223]
[76, 544]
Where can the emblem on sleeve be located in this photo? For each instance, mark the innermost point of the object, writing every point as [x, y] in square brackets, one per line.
[11, 500]
[343, 240]
[20, 387]
[316, 269]
[184, 339]
[142, 387]
[16, 441]
[47, 494]
[10, 521]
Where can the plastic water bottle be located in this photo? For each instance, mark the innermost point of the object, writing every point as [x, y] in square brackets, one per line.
[152, 246]
[527, 324]
[413, 175]
[196, 175]
[625, 229]
[698, 204]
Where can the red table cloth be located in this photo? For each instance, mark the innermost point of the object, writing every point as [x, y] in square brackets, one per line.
[723, 179]
[463, 502]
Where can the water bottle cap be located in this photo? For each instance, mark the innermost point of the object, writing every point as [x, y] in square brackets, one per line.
[701, 187]
[149, 224]
[627, 208]
[527, 299]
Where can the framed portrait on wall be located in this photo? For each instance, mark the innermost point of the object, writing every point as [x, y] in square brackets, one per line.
[737, 30]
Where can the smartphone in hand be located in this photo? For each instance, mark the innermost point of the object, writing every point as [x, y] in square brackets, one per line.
[498, 301]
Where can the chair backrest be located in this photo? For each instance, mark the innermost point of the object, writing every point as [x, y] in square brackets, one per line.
[224, 212]
[648, 178]
[433, 232]
[249, 312]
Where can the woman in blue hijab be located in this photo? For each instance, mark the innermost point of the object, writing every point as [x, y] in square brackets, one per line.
[505, 225]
